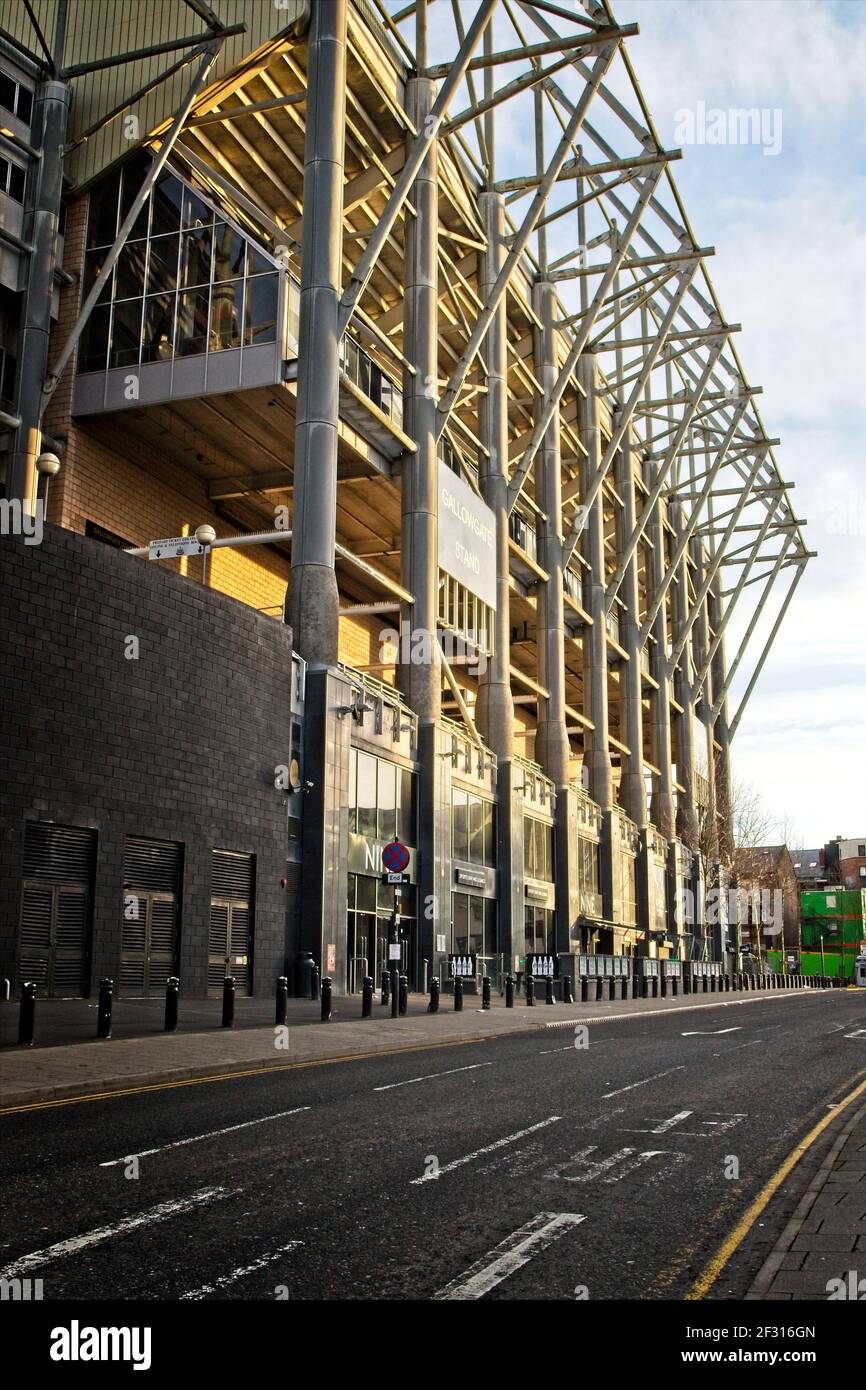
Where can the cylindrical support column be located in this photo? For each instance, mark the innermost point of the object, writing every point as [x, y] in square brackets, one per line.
[313, 602]
[687, 825]
[421, 681]
[495, 707]
[662, 811]
[721, 732]
[45, 183]
[597, 748]
[632, 789]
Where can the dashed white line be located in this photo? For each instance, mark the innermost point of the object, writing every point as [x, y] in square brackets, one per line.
[710, 1032]
[433, 1076]
[225, 1279]
[658, 1075]
[510, 1255]
[197, 1138]
[488, 1149]
[61, 1248]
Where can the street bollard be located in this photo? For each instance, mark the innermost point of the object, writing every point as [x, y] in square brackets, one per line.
[315, 978]
[433, 1006]
[27, 1015]
[509, 991]
[172, 994]
[395, 992]
[567, 991]
[485, 992]
[530, 990]
[623, 987]
[228, 1001]
[645, 987]
[664, 987]
[326, 999]
[584, 989]
[599, 989]
[548, 997]
[282, 1011]
[403, 996]
[674, 986]
[103, 1013]
[386, 988]
[458, 995]
[367, 997]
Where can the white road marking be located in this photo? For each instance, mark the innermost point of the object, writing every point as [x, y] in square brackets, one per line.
[858, 1033]
[727, 1121]
[225, 1279]
[612, 1169]
[710, 1032]
[488, 1149]
[196, 1138]
[607, 1095]
[663, 1125]
[510, 1255]
[129, 1223]
[432, 1076]
[550, 1051]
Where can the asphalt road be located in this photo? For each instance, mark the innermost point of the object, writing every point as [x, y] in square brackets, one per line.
[524, 1168]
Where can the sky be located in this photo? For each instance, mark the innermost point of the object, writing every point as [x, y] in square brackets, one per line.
[790, 236]
[789, 228]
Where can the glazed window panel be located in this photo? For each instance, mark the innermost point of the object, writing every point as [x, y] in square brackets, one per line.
[102, 213]
[167, 198]
[229, 252]
[195, 257]
[162, 266]
[126, 333]
[367, 796]
[260, 310]
[129, 271]
[134, 175]
[459, 824]
[93, 352]
[227, 308]
[93, 263]
[192, 322]
[387, 800]
[158, 337]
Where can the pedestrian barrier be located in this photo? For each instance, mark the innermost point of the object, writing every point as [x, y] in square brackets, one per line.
[433, 1006]
[326, 999]
[367, 997]
[103, 1010]
[282, 1009]
[509, 991]
[458, 995]
[485, 992]
[228, 1001]
[27, 1015]
[172, 997]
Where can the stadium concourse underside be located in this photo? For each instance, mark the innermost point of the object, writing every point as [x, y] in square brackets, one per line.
[402, 299]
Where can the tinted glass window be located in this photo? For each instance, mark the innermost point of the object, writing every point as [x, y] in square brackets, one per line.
[162, 267]
[102, 214]
[93, 352]
[158, 328]
[126, 334]
[192, 311]
[260, 317]
[227, 304]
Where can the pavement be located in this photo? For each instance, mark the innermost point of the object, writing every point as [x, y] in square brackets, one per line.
[525, 1162]
[32, 1075]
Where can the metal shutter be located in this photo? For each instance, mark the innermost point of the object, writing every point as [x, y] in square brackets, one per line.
[230, 948]
[150, 941]
[56, 907]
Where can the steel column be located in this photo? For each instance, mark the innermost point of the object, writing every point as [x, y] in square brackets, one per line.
[596, 746]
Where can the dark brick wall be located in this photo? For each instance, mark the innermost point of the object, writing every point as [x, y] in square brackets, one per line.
[180, 744]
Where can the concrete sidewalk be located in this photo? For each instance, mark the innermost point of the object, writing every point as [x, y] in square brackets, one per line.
[821, 1253]
[29, 1076]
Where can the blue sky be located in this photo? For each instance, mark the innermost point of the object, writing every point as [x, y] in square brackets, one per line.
[790, 236]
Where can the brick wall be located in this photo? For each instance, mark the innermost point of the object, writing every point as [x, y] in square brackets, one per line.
[180, 744]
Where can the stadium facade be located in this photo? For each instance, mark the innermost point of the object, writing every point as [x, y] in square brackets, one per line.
[402, 302]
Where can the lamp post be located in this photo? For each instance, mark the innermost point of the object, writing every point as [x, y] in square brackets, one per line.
[47, 466]
[205, 535]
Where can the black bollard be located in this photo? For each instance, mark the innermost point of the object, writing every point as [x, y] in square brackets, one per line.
[386, 987]
[509, 991]
[282, 1012]
[485, 992]
[433, 1006]
[172, 994]
[229, 1001]
[326, 999]
[584, 989]
[530, 990]
[548, 997]
[314, 981]
[458, 995]
[404, 994]
[567, 991]
[27, 1015]
[395, 992]
[367, 997]
[103, 1013]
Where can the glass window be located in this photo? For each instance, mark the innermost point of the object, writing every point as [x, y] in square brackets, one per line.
[166, 198]
[476, 926]
[195, 257]
[353, 791]
[126, 334]
[406, 806]
[260, 310]
[192, 322]
[7, 91]
[257, 264]
[102, 213]
[162, 266]
[133, 177]
[460, 922]
[24, 105]
[15, 185]
[489, 814]
[93, 263]
[196, 212]
[476, 830]
[387, 800]
[157, 343]
[229, 250]
[129, 271]
[459, 825]
[226, 315]
[491, 936]
[367, 893]
[366, 796]
[93, 352]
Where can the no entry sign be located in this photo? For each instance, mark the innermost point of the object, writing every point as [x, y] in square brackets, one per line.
[395, 857]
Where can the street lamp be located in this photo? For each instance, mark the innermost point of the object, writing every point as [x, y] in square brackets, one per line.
[205, 535]
[48, 466]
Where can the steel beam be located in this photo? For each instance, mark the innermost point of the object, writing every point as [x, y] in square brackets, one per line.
[735, 722]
